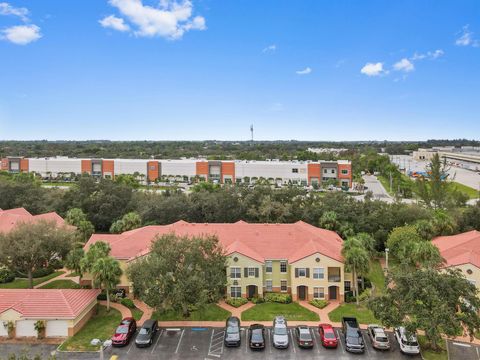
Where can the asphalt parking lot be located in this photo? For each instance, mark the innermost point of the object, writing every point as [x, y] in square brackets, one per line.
[207, 344]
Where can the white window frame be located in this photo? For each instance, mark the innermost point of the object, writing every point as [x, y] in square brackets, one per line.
[286, 267]
[237, 288]
[281, 285]
[271, 285]
[238, 272]
[250, 271]
[314, 273]
[316, 292]
[271, 266]
[304, 272]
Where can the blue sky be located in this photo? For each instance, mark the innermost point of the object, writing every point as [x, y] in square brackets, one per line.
[207, 69]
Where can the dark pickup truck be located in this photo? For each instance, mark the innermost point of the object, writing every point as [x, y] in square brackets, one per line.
[353, 336]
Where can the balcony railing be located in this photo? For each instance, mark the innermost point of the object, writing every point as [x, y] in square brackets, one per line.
[334, 278]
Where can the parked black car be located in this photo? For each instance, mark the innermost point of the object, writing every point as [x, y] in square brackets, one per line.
[146, 334]
[304, 337]
[256, 336]
[232, 331]
[353, 336]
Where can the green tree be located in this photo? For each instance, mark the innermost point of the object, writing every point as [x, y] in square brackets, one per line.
[96, 251]
[31, 246]
[356, 260]
[106, 273]
[433, 189]
[435, 302]
[329, 221]
[128, 222]
[73, 261]
[77, 218]
[180, 273]
[128, 180]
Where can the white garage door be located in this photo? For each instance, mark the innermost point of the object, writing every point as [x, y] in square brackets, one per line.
[56, 328]
[3, 329]
[25, 328]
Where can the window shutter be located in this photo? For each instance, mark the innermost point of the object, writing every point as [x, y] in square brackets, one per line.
[296, 272]
[256, 272]
[245, 272]
[307, 272]
[240, 273]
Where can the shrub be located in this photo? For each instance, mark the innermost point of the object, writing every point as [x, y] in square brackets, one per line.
[128, 303]
[102, 296]
[278, 298]
[38, 273]
[319, 303]
[349, 297]
[365, 295]
[236, 302]
[257, 300]
[56, 264]
[6, 275]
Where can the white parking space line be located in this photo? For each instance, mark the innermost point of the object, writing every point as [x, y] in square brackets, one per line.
[270, 342]
[462, 344]
[130, 347]
[158, 339]
[317, 342]
[340, 340]
[293, 343]
[246, 340]
[216, 343]
[179, 341]
[478, 354]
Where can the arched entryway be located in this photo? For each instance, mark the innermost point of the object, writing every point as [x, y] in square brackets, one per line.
[252, 291]
[333, 292]
[302, 292]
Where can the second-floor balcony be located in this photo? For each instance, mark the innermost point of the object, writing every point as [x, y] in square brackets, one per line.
[334, 274]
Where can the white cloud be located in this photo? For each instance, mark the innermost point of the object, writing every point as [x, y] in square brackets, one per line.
[373, 69]
[270, 48]
[21, 34]
[432, 55]
[114, 22]
[305, 71]
[404, 65]
[170, 19]
[436, 54]
[466, 38]
[7, 9]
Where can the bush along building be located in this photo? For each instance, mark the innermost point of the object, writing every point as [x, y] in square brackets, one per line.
[221, 171]
[297, 259]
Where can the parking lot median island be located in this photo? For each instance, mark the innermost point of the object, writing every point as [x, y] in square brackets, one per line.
[268, 311]
[363, 315]
[430, 354]
[100, 326]
[210, 312]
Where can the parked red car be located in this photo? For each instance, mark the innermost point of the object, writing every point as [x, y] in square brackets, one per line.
[124, 332]
[328, 337]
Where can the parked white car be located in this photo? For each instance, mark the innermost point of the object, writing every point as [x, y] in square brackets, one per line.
[407, 345]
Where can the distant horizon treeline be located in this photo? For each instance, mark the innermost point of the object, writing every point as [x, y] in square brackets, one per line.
[214, 150]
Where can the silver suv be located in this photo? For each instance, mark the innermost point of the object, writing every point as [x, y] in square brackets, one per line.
[280, 333]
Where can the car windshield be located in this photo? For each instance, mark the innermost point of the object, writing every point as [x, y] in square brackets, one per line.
[381, 339]
[410, 343]
[329, 335]
[257, 335]
[280, 331]
[305, 336]
[122, 330]
[232, 330]
[144, 331]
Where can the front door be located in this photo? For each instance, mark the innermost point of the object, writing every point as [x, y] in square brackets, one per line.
[251, 291]
[332, 293]
[302, 292]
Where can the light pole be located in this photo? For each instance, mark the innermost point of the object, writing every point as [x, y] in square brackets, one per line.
[386, 257]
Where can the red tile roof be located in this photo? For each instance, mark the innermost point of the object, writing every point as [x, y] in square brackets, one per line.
[10, 218]
[291, 242]
[460, 249]
[47, 303]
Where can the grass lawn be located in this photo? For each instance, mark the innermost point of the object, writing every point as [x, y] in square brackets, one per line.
[23, 283]
[377, 277]
[429, 354]
[363, 315]
[100, 326]
[471, 192]
[210, 312]
[137, 313]
[72, 274]
[61, 284]
[268, 311]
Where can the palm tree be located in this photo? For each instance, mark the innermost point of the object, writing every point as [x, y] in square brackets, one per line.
[356, 261]
[106, 274]
[73, 260]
